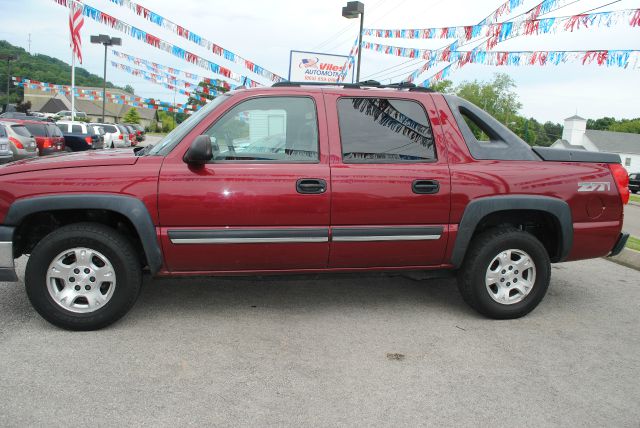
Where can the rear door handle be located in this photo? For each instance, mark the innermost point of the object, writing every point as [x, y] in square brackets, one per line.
[311, 186]
[425, 187]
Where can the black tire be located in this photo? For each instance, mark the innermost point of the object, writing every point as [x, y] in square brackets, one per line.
[482, 251]
[110, 243]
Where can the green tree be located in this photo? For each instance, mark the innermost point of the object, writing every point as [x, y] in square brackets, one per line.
[129, 89]
[132, 116]
[496, 97]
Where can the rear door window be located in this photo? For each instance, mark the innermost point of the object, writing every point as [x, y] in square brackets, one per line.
[36, 129]
[380, 130]
[21, 130]
[110, 129]
[54, 131]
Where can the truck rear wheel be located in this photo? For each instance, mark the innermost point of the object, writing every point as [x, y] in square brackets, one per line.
[505, 274]
[84, 276]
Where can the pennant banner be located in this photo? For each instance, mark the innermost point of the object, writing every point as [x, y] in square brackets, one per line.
[529, 24]
[193, 37]
[170, 82]
[627, 59]
[349, 62]
[97, 96]
[158, 43]
[170, 71]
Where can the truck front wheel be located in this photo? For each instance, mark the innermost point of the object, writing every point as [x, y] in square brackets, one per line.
[83, 276]
[505, 273]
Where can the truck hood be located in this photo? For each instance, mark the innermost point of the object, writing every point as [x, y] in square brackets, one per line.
[89, 158]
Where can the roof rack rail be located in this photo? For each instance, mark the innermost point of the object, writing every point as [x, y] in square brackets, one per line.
[358, 85]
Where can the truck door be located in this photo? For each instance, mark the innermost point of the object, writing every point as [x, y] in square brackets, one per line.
[390, 183]
[262, 203]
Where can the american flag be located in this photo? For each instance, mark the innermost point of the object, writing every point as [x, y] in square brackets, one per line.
[76, 20]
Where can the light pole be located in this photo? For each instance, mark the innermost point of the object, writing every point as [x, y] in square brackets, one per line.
[353, 9]
[107, 41]
[8, 58]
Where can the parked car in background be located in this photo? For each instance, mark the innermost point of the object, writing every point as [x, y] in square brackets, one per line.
[139, 131]
[132, 134]
[21, 116]
[114, 135]
[80, 136]
[66, 115]
[634, 182]
[22, 143]
[101, 134]
[6, 155]
[48, 137]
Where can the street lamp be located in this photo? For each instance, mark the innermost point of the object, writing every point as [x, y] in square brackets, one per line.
[8, 58]
[353, 9]
[106, 41]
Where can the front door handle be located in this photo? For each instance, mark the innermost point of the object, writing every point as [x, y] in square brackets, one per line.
[312, 186]
[425, 187]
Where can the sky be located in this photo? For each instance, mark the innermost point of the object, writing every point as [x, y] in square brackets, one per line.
[266, 31]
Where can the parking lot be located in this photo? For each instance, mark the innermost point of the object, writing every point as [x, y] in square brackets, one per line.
[332, 351]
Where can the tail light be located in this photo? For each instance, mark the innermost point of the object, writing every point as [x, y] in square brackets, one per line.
[46, 144]
[88, 140]
[120, 137]
[622, 181]
[17, 143]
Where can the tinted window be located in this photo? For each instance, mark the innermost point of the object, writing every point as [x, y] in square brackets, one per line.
[36, 129]
[76, 129]
[21, 130]
[384, 130]
[110, 129]
[3, 132]
[54, 131]
[62, 128]
[267, 129]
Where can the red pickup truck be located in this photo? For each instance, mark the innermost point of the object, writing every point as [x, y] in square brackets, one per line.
[299, 178]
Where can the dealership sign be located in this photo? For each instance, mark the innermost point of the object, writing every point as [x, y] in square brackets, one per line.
[319, 67]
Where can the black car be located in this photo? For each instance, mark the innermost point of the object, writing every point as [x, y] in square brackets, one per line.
[79, 136]
[634, 182]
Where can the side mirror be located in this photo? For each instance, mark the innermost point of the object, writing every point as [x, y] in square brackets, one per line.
[200, 151]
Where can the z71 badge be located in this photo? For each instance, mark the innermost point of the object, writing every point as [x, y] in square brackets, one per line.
[594, 186]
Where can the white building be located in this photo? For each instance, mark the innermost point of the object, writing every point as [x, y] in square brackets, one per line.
[576, 136]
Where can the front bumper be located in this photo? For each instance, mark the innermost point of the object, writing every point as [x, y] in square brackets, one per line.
[7, 266]
[620, 243]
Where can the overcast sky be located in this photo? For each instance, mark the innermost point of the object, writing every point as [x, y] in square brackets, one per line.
[265, 32]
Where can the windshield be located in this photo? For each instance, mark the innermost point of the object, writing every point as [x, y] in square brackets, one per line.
[167, 144]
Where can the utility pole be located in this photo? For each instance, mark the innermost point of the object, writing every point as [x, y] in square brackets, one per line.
[8, 58]
[353, 9]
[174, 105]
[29, 43]
[106, 41]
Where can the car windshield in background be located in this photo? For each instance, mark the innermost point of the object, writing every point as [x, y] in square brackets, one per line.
[36, 129]
[21, 130]
[165, 145]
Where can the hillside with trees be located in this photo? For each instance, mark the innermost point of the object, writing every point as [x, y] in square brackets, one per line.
[40, 67]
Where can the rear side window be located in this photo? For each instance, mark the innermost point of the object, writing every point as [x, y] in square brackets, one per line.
[380, 130]
[21, 130]
[3, 132]
[63, 128]
[36, 129]
[76, 129]
[283, 129]
[54, 131]
[110, 129]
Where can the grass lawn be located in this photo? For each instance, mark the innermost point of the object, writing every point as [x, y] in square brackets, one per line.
[633, 243]
[635, 198]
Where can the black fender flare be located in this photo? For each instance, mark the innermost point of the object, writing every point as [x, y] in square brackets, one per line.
[480, 208]
[130, 207]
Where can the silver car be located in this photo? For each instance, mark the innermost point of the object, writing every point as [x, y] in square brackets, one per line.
[6, 155]
[22, 143]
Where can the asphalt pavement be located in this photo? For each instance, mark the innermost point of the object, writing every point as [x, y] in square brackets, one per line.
[365, 350]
